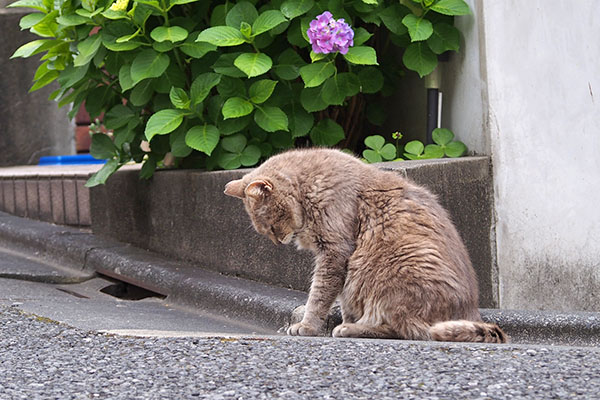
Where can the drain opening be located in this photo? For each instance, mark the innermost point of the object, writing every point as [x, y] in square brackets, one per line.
[73, 293]
[127, 291]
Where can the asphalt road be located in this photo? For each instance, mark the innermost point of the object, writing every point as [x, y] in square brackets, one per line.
[52, 346]
[42, 359]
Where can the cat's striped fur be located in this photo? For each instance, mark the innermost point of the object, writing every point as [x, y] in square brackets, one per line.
[383, 245]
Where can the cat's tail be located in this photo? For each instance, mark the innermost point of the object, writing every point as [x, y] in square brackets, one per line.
[467, 331]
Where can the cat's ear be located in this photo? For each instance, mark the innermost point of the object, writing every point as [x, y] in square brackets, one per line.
[259, 189]
[235, 189]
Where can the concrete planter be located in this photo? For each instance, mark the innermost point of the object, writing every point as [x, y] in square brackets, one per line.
[185, 215]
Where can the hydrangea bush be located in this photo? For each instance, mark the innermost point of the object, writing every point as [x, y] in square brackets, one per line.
[222, 83]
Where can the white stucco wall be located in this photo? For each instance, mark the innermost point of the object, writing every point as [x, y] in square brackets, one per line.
[463, 86]
[535, 67]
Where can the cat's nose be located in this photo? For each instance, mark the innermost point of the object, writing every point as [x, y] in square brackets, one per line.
[288, 238]
[274, 239]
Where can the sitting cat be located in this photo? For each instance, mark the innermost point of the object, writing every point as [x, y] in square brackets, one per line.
[383, 245]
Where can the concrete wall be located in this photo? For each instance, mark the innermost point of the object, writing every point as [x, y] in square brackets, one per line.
[31, 126]
[529, 75]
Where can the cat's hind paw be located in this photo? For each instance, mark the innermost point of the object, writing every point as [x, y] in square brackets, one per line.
[351, 330]
[301, 329]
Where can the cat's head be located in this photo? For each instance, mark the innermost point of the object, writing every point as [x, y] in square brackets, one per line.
[272, 208]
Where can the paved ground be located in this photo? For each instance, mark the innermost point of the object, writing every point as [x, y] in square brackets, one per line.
[45, 360]
[84, 306]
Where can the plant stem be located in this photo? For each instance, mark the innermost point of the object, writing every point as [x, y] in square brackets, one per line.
[165, 14]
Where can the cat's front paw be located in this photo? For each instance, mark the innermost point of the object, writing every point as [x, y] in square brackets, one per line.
[350, 330]
[301, 329]
[341, 330]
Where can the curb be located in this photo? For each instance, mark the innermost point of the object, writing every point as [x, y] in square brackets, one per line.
[269, 306]
[191, 286]
[551, 327]
[182, 283]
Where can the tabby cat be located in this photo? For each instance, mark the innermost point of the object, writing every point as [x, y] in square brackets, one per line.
[383, 246]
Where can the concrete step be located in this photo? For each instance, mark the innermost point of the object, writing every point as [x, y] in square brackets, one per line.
[47, 193]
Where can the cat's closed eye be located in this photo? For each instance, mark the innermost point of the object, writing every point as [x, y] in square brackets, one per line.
[272, 235]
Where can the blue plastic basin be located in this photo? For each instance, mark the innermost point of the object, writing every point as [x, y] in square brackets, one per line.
[78, 159]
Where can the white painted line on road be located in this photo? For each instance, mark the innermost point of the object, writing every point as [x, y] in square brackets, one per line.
[175, 334]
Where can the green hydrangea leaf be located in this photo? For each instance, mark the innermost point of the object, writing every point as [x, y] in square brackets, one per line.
[33, 47]
[100, 177]
[243, 11]
[312, 99]
[253, 64]
[300, 121]
[419, 58]
[340, 86]
[163, 122]
[260, 91]
[315, 74]
[362, 55]
[451, 7]
[236, 107]
[102, 147]
[169, 33]
[288, 65]
[295, 8]
[203, 138]
[221, 36]
[179, 98]
[250, 156]
[445, 37]
[327, 132]
[87, 50]
[418, 28]
[271, 119]
[267, 21]
[202, 86]
[148, 64]
[196, 49]
[371, 80]
[235, 143]
[118, 116]
[361, 35]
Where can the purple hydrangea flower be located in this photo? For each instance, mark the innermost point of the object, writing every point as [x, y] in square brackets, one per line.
[328, 35]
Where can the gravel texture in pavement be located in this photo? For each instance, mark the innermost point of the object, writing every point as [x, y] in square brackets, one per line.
[42, 359]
